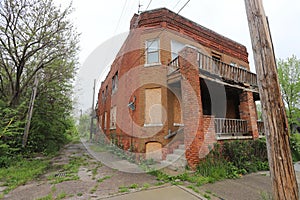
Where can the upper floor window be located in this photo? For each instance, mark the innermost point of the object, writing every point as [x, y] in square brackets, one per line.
[114, 83]
[176, 47]
[152, 51]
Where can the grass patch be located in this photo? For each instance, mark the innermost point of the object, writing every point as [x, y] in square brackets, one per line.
[145, 186]
[134, 186]
[48, 197]
[194, 188]
[207, 196]
[61, 196]
[21, 172]
[69, 171]
[123, 189]
[195, 178]
[100, 180]
[94, 189]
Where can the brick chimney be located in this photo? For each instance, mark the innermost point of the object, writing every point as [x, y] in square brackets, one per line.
[133, 21]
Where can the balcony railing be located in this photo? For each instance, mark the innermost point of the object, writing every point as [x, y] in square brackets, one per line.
[225, 71]
[231, 127]
[173, 65]
[261, 128]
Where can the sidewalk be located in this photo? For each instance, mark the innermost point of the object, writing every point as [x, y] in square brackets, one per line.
[112, 161]
[161, 193]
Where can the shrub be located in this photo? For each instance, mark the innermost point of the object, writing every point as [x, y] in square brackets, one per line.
[233, 159]
[247, 156]
[295, 146]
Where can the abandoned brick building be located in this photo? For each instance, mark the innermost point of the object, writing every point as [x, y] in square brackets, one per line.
[176, 84]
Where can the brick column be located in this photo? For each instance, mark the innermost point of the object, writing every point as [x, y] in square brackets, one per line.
[248, 112]
[209, 135]
[191, 105]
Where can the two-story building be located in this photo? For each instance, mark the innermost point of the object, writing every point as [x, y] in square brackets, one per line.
[176, 83]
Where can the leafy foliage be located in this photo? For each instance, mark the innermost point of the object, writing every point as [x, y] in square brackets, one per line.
[295, 146]
[289, 78]
[233, 159]
[36, 39]
[84, 125]
[21, 172]
[247, 156]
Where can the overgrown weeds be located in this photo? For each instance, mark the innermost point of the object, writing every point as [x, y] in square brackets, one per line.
[21, 172]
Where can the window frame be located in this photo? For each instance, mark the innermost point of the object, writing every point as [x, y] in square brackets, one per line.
[115, 80]
[155, 51]
[173, 43]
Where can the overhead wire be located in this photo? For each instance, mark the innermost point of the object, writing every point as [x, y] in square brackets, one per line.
[148, 4]
[105, 71]
[120, 16]
[146, 49]
[177, 4]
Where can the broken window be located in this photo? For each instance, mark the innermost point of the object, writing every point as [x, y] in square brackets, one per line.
[114, 83]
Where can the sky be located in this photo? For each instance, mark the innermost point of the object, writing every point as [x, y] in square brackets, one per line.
[104, 25]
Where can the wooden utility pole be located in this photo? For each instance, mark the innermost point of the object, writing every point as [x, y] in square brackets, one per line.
[283, 176]
[30, 109]
[93, 112]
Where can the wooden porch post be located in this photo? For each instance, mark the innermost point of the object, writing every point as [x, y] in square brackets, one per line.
[283, 176]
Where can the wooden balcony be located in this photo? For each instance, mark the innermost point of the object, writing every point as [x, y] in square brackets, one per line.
[211, 68]
[226, 72]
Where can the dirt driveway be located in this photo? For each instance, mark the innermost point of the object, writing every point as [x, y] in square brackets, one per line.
[92, 181]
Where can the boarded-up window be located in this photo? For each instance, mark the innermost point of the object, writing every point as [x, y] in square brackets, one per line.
[153, 107]
[113, 117]
[105, 120]
[177, 111]
[154, 151]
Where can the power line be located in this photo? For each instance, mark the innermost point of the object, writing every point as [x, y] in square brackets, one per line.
[177, 4]
[120, 16]
[183, 6]
[148, 4]
[146, 49]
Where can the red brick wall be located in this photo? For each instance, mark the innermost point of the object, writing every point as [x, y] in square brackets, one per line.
[165, 18]
[209, 135]
[248, 112]
[192, 105]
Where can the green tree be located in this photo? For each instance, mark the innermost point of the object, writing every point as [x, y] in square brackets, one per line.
[33, 35]
[84, 124]
[37, 38]
[289, 77]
